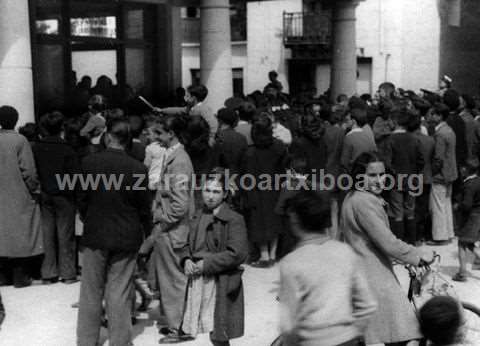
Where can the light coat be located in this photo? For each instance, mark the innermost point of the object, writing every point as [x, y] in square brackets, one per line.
[444, 160]
[20, 220]
[173, 208]
[364, 223]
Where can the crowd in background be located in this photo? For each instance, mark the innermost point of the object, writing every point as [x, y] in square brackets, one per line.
[200, 239]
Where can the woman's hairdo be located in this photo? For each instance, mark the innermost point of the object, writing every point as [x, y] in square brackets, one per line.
[361, 163]
[262, 131]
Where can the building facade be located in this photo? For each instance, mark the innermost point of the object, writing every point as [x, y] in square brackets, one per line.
[408, 42]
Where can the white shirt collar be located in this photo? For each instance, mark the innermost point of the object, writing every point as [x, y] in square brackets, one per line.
[470, 177]
[439, 126]
[356, 129]
[399, 131]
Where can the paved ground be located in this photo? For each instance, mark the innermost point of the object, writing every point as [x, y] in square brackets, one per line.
[42, 316]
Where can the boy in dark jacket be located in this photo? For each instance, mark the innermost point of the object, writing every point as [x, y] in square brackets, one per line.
[469, 208]
[404, 159]
[55, 159]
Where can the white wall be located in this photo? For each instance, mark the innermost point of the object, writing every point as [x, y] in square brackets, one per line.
[401, 36]
[265, 49]
[191, 60]
[95, 63]
[403, 39]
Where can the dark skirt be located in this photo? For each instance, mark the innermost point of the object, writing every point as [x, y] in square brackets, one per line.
[470, 230]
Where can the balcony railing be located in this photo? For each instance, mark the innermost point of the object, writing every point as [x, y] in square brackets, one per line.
[306, 29]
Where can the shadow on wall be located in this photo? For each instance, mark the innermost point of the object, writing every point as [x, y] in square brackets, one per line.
[460, 43]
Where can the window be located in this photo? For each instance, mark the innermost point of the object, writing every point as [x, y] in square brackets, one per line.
[190, 12]
[47, 26]
[94, 26]
[238, 22]
[237, 80]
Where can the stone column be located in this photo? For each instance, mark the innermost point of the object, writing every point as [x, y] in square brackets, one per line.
[16, 80]
[344, 57]
[216, 51]
[169, 50]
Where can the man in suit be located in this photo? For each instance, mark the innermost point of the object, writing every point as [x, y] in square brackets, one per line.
[116, 219]
[444, 170]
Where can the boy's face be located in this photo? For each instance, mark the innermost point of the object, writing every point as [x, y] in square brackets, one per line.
[382, 93]
[189, 99]
[150, 134]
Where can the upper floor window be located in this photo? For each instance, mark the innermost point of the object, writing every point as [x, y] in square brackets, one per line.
[238, 22]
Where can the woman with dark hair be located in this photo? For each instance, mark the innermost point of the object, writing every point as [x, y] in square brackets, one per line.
[364, 223]
[263, 163]
[218, 246]
[311, 143]
[196, 140]
[173, 206]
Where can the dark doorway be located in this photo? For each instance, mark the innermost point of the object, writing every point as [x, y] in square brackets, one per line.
[76, 38]
[301, 76]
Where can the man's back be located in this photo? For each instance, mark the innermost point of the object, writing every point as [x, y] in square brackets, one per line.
[117, 211]
[54, 156]
[229, 148]
[427, 144]
[355, 143]
[404, 154]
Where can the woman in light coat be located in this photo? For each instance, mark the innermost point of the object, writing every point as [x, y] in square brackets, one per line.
[364, 223]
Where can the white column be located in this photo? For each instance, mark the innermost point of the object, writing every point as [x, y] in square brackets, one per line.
[16, 81]
[344, 59]
[216, 51]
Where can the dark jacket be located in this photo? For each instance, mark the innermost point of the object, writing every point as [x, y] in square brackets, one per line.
[457, 124]
[259, 203]
[471, 196]
[230, 146]
[428, 146]
[356, 142]
[115, 219]
[314, 151]
[136, 150]
[403, 154]
[54, 158]
[333, 138]
[472, 133]
[223, 247]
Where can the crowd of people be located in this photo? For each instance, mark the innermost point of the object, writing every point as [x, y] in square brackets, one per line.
[181, 225]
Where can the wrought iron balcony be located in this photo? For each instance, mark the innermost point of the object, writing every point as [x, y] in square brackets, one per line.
[301, 28]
